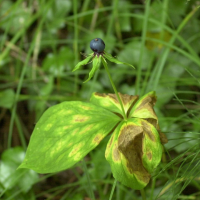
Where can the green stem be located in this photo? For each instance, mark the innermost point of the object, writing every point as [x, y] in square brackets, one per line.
[21, 135]
[88, 179]
[144, 31]
[143, 194]
[75, 43]
[164, 18]
[113, 188]
[152, 188]
[13, 112]
[114, 88]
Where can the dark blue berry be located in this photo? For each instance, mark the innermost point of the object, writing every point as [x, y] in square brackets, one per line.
[97, 45]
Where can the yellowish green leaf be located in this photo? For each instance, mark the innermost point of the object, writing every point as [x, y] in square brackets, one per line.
[110, 101]
[65, 134]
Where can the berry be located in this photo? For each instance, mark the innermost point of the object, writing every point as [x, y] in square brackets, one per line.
[97, 45]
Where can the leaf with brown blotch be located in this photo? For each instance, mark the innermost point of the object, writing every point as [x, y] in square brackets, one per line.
[134, 151]
[110, 101]
[143, 109]
[134, 107]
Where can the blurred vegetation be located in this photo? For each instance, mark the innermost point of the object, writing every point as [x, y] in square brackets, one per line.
[41, 42]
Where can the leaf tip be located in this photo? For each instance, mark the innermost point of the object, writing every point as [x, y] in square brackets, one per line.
[21, 166]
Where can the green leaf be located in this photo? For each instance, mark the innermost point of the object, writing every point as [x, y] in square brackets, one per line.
[95, 66]
[56, 15]
[176, 9]
[134, 150]
[110, 101]
[65, 134]
[83, 62]
[112, 59]
[56, 63]
[21, 179]
[16, 16]
[7, 98]
[144, 107]
[131, 54]
[125, 21]
[152, 147]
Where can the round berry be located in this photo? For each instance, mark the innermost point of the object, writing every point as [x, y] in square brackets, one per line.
[97, 45]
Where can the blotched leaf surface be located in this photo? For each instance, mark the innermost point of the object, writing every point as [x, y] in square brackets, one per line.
[134, 150]
[143, 109]
[110, 101]
[65, 134]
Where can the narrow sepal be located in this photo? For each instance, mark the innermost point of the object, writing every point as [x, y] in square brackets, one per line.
[95, 66]
[112, 59]
[83, 62]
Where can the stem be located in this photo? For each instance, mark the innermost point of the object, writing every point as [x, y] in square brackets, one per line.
[143, 194]
[114, 88]
[13, 111]
[75, 42]
[164, 159]
[88, 179]
[144, 31]
[113, 188]
[21, 135]
[152, 188]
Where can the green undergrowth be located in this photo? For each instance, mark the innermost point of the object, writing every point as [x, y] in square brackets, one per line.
[40, 44]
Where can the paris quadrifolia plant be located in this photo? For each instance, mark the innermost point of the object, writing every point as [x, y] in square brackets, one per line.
[68, 131]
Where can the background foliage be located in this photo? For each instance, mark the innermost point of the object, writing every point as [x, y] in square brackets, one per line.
[40, 43]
